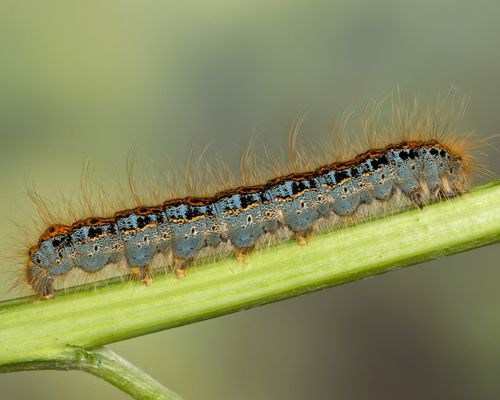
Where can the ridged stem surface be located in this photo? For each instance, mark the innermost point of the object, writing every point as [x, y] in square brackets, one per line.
[35, 331]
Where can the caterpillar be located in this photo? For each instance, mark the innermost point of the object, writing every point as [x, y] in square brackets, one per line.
[422, 160]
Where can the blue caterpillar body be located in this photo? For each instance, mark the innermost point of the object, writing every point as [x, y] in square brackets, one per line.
[420, 170]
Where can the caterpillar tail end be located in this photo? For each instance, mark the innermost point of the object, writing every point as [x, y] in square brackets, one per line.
[40, 281]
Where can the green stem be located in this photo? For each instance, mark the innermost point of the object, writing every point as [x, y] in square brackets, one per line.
[104, 364]
[41, 330]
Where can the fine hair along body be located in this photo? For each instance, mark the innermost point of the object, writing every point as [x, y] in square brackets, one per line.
[414, 157]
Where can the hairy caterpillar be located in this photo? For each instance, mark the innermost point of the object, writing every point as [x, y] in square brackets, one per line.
[417, 158]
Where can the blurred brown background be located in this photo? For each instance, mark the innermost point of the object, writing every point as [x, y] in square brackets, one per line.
[99, 78]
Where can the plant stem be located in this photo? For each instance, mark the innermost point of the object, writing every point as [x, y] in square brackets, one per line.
[104, 364]
[42, 330]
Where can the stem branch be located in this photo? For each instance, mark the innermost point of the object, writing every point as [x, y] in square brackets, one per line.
[104, 364]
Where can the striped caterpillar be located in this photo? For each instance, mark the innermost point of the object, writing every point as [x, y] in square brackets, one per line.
[424, 165]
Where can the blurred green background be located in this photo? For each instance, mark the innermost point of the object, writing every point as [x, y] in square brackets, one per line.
[99, 78]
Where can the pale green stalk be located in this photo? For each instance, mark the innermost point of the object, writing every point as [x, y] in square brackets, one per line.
[36, 331]
[104, 364]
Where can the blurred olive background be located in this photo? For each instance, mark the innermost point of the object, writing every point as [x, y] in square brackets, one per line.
[97, 79]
